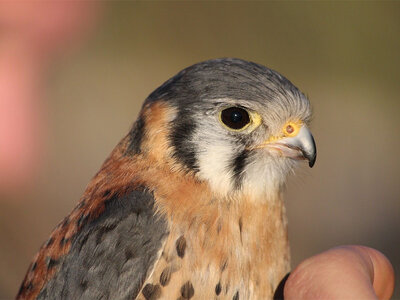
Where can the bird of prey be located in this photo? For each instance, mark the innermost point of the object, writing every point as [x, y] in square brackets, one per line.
[188, 205]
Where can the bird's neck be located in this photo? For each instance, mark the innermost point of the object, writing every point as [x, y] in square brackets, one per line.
[239, 244]
[236, 240]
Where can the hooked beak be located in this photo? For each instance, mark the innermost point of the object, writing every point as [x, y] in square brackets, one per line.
[299, 147]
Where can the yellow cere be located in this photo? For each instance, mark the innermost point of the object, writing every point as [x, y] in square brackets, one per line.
[290, 129]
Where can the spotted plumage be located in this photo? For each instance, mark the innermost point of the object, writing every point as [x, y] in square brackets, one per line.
[188, 205]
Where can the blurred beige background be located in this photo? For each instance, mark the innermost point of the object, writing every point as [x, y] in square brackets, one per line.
[344, 56]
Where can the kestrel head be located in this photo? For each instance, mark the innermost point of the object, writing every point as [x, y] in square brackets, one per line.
[237, 125]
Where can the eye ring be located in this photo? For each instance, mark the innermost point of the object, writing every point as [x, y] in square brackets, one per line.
[235, 118]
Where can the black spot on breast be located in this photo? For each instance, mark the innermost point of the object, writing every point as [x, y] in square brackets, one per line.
[181, 246]
[50, 262]
[151, 291]
[236, 296]
[165, 276]
[218, 288]
[187, 290]
[29, 286]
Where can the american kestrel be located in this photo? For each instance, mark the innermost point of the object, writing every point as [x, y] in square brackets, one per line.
[188, 205]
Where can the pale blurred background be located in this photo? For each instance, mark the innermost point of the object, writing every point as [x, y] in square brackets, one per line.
[344, 56]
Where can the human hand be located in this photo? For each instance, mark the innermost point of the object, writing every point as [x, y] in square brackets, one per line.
[346, 272]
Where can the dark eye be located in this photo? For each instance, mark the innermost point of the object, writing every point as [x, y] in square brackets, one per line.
[235, 117]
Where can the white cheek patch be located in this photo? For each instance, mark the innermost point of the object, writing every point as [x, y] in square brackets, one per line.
[213, 162]
[214, 153]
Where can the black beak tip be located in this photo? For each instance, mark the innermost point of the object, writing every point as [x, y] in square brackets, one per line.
[311, 160]
[311, 163]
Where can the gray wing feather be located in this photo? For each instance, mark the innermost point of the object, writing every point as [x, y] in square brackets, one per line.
[112, 255]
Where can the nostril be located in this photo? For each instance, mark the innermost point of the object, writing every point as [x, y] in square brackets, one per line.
[289, 129]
